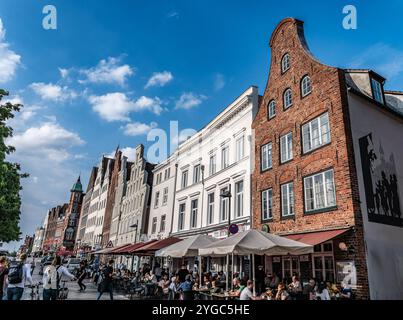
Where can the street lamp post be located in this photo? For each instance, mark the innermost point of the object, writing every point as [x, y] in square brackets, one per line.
[135, 226]
[227, 194]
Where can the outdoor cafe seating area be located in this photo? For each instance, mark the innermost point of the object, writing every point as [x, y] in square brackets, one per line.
[164, 275]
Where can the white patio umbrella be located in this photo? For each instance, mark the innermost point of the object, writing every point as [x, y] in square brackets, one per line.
[188, 247]
[255, 242]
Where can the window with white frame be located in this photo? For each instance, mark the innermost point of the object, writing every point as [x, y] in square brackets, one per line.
[239, 199]
[316, 133]
[224, 202]
[287, 199]
[271, 109]
[266, 156]
[267, 204]
[210, 208]
[319, 191]
[239, 148]
[212, 164]
[154, 225]
[224, 157]
[287, 98]
[286, 153]
[285, 63]
[193, 213]
[162, 224]
[165, 196]
[157, 199]
[306, 86]
[196, 173]
[184, 182]
[323, 262]
[377, 91]
[181, 216]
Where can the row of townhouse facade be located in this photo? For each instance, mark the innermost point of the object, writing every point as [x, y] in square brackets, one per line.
[116, 205]
[317, 158]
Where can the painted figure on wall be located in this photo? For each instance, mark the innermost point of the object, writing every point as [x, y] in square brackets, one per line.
[380, 183]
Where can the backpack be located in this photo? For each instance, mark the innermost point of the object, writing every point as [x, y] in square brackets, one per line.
[15, 273]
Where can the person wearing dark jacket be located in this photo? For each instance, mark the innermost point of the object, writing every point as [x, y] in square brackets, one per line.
[82, 272]
[106, 284]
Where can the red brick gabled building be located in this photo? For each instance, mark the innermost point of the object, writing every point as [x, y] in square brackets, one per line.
[304, 181]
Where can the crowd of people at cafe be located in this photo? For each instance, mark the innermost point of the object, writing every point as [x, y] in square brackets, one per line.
[185, 284]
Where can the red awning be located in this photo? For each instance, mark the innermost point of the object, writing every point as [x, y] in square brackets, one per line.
[314, 238]
[135, 246]
[110, 250]
[156, 245]
[119, 249]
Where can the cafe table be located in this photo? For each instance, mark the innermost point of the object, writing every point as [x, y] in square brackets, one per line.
[223, 296]
[203, 292]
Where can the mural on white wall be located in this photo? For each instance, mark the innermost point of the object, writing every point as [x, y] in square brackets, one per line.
[380, 183]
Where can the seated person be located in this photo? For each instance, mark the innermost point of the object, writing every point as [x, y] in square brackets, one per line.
[214, 288]
[282, 294]
[206, 282]
[187, 288]
[239, 286]
[247, 292]
[267, 280]
[346, 292]
[164, 284]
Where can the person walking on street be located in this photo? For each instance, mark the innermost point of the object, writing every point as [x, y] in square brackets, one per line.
[82, 272]
[18, 274]
[106, 284]
[51, 278]
[3, 276]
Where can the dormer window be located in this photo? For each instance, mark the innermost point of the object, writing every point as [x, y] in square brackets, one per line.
[377, 91]
[285, 63]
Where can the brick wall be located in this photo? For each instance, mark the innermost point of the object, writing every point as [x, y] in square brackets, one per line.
[328, 95]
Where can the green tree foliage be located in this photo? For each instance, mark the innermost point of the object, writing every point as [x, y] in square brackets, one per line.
[10, 186]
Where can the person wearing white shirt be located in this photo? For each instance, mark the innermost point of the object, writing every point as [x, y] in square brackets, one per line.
[51, 278]
[246, 294]
[322, 293]
[19, 275]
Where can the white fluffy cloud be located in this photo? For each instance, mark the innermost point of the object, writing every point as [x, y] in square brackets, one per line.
[9, 60]
[27, 112]
[48, 140]
[137, 128]
[116, 106]
[52, 92]
[189, 100]
[159, 79]
[108, 71]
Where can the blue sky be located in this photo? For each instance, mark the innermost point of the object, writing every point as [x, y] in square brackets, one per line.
[155, 61]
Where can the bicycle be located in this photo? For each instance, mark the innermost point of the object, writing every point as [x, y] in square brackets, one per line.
[34, 294]
[63, 291]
